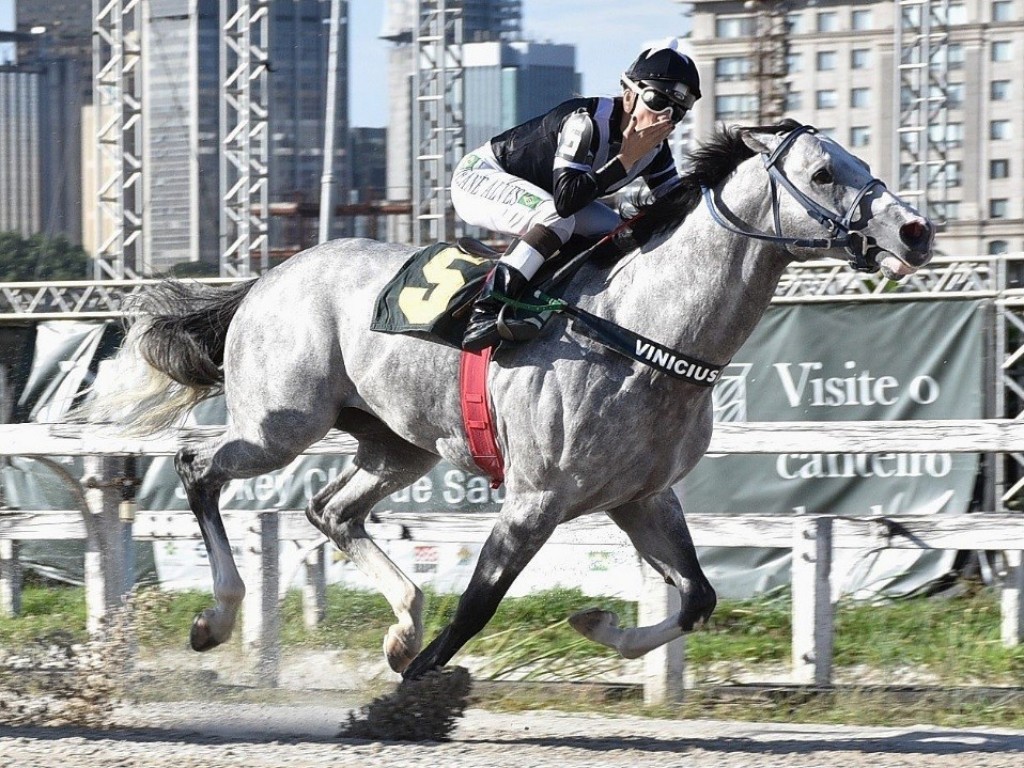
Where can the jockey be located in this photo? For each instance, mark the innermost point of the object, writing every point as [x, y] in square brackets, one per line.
[541, 180]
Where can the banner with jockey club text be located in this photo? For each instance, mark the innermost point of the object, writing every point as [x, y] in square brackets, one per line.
[807, 362]
[883, 361]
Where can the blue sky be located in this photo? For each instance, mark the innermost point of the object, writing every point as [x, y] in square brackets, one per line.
[607, 34]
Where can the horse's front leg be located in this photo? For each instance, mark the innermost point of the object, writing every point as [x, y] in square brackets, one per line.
[658, 530]
[212, 626]
[524, 525]
[380, 467]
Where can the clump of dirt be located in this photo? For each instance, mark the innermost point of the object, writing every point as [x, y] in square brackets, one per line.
[55, 681]
[425, 709]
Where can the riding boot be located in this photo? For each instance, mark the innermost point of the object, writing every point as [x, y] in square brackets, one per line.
[482, 331]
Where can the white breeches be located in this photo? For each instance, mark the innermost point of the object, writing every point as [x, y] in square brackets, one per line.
[485, 195]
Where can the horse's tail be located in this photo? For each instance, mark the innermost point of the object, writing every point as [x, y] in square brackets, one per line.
[171, 358]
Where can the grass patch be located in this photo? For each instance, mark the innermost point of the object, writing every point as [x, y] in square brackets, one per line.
[955, 641]
[45, 611]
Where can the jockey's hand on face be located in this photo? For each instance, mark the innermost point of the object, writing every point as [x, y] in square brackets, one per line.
[645, 131]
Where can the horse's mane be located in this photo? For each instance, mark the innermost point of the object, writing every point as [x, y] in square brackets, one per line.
[712, 162]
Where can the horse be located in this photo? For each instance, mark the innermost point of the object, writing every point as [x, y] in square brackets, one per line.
[582, 429]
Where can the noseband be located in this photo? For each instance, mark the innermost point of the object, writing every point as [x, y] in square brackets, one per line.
[841, 231]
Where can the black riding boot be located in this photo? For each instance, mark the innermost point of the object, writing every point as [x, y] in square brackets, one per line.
[482, 331]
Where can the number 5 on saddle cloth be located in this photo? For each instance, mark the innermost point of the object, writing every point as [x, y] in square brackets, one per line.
[432, 294]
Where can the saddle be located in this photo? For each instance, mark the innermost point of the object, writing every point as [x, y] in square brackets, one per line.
[432, 295]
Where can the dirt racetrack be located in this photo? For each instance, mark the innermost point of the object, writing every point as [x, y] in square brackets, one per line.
[186, 734]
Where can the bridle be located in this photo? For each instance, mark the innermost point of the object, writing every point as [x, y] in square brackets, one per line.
[841, 231]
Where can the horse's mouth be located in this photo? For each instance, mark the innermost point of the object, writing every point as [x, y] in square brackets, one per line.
[894, 268]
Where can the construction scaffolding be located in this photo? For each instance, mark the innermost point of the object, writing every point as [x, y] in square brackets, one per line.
[437, 123]
[117, 114]
[922, 164]
[771, 53]
[245, 137]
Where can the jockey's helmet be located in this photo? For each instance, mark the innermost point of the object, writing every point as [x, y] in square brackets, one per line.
[667, 70]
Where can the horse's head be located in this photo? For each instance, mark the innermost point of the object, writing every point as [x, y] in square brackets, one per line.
[826, 201]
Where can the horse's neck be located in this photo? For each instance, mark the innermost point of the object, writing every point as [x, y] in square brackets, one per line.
[702, 289]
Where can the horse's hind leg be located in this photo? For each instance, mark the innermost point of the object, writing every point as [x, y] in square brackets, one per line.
[383, 464]
[203, 472]
[658, 530]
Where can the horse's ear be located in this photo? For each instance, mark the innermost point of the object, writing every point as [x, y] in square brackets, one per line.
[761, 142]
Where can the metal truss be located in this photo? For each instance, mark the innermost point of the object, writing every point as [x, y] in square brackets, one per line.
[922, 102]
[117, 88]
[437, 124]
[245, 137]
[771, 47]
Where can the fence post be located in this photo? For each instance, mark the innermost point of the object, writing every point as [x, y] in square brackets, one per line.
[10, 578]
[314, 587]
[1013, 599]
[260, 616]
[812, 600]
[108, 549]
[664, 666]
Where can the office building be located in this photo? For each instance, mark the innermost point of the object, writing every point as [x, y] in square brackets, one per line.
[181, 102]
[482, 21]
[40, 158]
[844, 74]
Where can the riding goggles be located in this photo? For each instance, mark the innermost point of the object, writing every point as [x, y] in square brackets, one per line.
[657, 99]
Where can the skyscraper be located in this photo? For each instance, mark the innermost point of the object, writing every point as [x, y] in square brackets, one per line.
[180, 103]
[506, 80]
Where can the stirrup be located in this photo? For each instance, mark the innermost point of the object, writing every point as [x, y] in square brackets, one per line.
[515, 328]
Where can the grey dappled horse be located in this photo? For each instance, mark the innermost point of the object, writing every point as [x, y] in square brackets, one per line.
[582, 429]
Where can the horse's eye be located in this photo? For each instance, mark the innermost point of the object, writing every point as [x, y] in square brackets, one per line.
[822, 176]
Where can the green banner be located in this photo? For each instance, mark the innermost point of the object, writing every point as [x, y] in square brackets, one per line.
[846, 362]
[807, 362]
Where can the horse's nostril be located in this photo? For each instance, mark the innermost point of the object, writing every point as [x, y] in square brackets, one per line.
[915, 234]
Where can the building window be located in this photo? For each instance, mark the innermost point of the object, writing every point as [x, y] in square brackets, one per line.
[1002, 50]
[957, 13]
[996, 247]
[733, 107]
[794, 23]
[860, 98]
[955, 56]
[952, 136]
[998, 208]
[794, 62]
[955, 95]
[828, 21]
[999, 90]
[826, 99]
[826, 61]
[794, 101]
[732, 68]
[860, 58]
[947, 175]
[999, 169]
[999, 130]
[1002, 10]
[949, 211]
[860, 20]
[860, 136]
[734, 26]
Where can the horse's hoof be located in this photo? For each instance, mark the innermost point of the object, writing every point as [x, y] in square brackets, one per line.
[594, 622]
[201, 637]
[401, 645]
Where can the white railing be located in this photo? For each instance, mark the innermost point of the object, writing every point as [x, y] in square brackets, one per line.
[812, 537]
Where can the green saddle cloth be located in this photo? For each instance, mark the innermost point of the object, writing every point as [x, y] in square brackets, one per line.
[432, 294]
